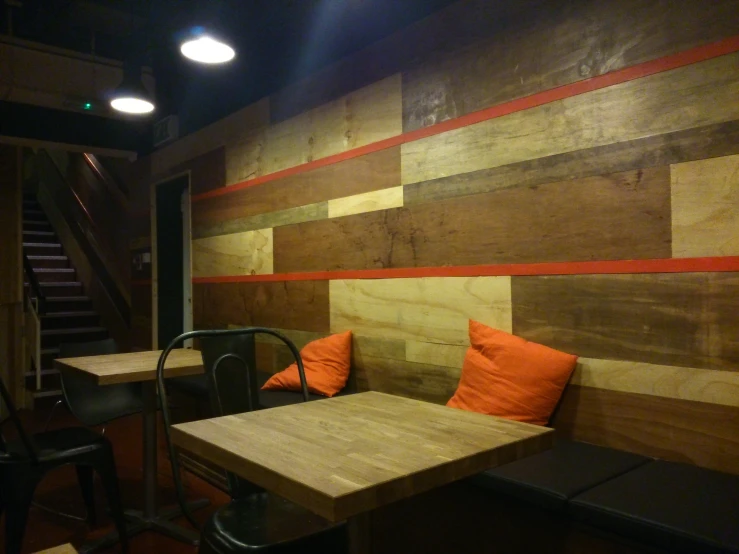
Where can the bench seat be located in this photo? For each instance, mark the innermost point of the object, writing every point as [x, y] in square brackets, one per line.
[678, 507]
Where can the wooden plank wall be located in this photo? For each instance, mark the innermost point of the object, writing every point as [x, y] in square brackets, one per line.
[609, 134]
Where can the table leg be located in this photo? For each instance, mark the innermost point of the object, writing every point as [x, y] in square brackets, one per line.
[150, 518]
[359, 529]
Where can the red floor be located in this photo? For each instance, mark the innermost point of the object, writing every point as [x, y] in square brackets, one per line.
[60, 491]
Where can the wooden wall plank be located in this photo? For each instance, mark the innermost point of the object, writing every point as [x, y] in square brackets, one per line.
[434, 309]
[661, 150]
[247, 253]
[699, 94]
[446, 355]
[583, 39]
[291, 216]
[11, 220]
[367, 115]
[141, 317]
[673, 319]
[367, 202]
[284, 305]
[207, 171]
[244, 156]
[679, 430]
[566, 221]
[379, 170]
[421, 381]
[699, 385]
[705, 219]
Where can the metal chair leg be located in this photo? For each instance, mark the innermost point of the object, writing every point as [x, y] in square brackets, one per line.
[51, 413]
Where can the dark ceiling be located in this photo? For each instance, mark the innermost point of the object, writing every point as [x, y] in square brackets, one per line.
[277, 41]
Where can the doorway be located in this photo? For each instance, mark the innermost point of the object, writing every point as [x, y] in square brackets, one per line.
[172, 270]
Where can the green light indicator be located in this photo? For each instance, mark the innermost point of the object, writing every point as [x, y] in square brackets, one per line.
[87, 106]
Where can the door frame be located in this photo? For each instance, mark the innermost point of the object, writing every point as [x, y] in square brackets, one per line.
[186, 257]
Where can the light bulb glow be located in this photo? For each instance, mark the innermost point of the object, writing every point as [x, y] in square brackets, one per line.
[132, 105]
[207, 50]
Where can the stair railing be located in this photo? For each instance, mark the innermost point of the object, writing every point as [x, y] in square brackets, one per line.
[35, 307]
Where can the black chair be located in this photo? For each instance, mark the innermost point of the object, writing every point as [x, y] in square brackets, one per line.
[90, 403]
[26, 460]
[254, 520]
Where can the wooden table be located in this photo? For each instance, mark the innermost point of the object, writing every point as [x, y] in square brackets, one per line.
[345, 456]
[141, 367]
[63, 549]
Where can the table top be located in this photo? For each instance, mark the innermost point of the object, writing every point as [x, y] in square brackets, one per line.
[343, 456]
[130, 367]
[63, 549]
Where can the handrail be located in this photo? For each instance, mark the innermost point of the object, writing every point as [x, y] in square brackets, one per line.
[116, 188]
[33, 281]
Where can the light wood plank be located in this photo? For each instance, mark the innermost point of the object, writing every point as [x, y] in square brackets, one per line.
[244, 156]
[698, 385]
[446, 355]
[247, 253]
[291, 216]
[355, 453]
[365, 116]
[420, 309]
[705, 218]
[131, 367]
[699, 94]
[367, 202]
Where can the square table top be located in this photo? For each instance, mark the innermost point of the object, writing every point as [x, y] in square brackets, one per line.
[130, 367]
[343, 456]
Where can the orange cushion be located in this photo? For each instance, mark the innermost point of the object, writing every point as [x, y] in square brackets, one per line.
[508, 376]
[326, 362]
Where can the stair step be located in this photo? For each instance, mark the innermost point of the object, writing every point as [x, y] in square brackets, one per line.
[48, 355]
[30, 204]
[68, 288]
[54, 274]
[54, 337]
[48, 262]
[33, 215]
[44, 373]
[30, 225]
[44, 237]
[60, 320]
[42, 248]
[45, 393]
[56, 304]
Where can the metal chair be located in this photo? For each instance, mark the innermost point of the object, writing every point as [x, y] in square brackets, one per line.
[26, 460]
[254, 520]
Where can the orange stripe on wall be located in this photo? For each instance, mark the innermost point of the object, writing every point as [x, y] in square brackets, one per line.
[674, 265]
[667, 63]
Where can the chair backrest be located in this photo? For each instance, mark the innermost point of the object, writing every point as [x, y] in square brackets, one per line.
[80, 392]
[229, 363]
[30, 452]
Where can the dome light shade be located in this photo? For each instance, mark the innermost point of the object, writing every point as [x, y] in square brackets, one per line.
[131, 96]
[208, 50]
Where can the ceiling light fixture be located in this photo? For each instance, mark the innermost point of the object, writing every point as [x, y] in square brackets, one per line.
[205, 49]
[131, 96]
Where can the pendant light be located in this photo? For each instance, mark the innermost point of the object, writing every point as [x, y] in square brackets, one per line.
[131, 96]
[202, 47]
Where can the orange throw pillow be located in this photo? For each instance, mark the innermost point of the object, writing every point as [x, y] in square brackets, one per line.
[326, 362]
[507, 376]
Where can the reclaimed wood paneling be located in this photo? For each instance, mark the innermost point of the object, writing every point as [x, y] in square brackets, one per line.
[207, 171]
[566, 221]
[291, 216]
[379, 170]
[705, 218]
[11, 218]
[365, 116]
[432, 383]
[709, 141]
[245, 156]
[141, 317]
[679, 430]
[248, 253]
[446, 355]
[433, 309]
[680, 320]
[699, 94]
[285, 305]
[367, 202]
[583, 39]
[683, 383]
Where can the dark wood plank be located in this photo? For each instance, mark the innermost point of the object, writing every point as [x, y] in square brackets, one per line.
[287, 305]
[141, 317]
[695, 432]
[207, 171]
[583, 39]
[661, 150]
[11, 216]
[564, 221]
[375, 171]
[686, 320]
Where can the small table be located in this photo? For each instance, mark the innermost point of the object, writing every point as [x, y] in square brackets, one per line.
[345, 456]
[141, 367]
[63, 549]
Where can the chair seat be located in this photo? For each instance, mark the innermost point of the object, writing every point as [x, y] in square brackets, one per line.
[67, 442]
[268, 523]
[551, 478]
[678, 507]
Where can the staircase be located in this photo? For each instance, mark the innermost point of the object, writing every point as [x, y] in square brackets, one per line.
[69, 315]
